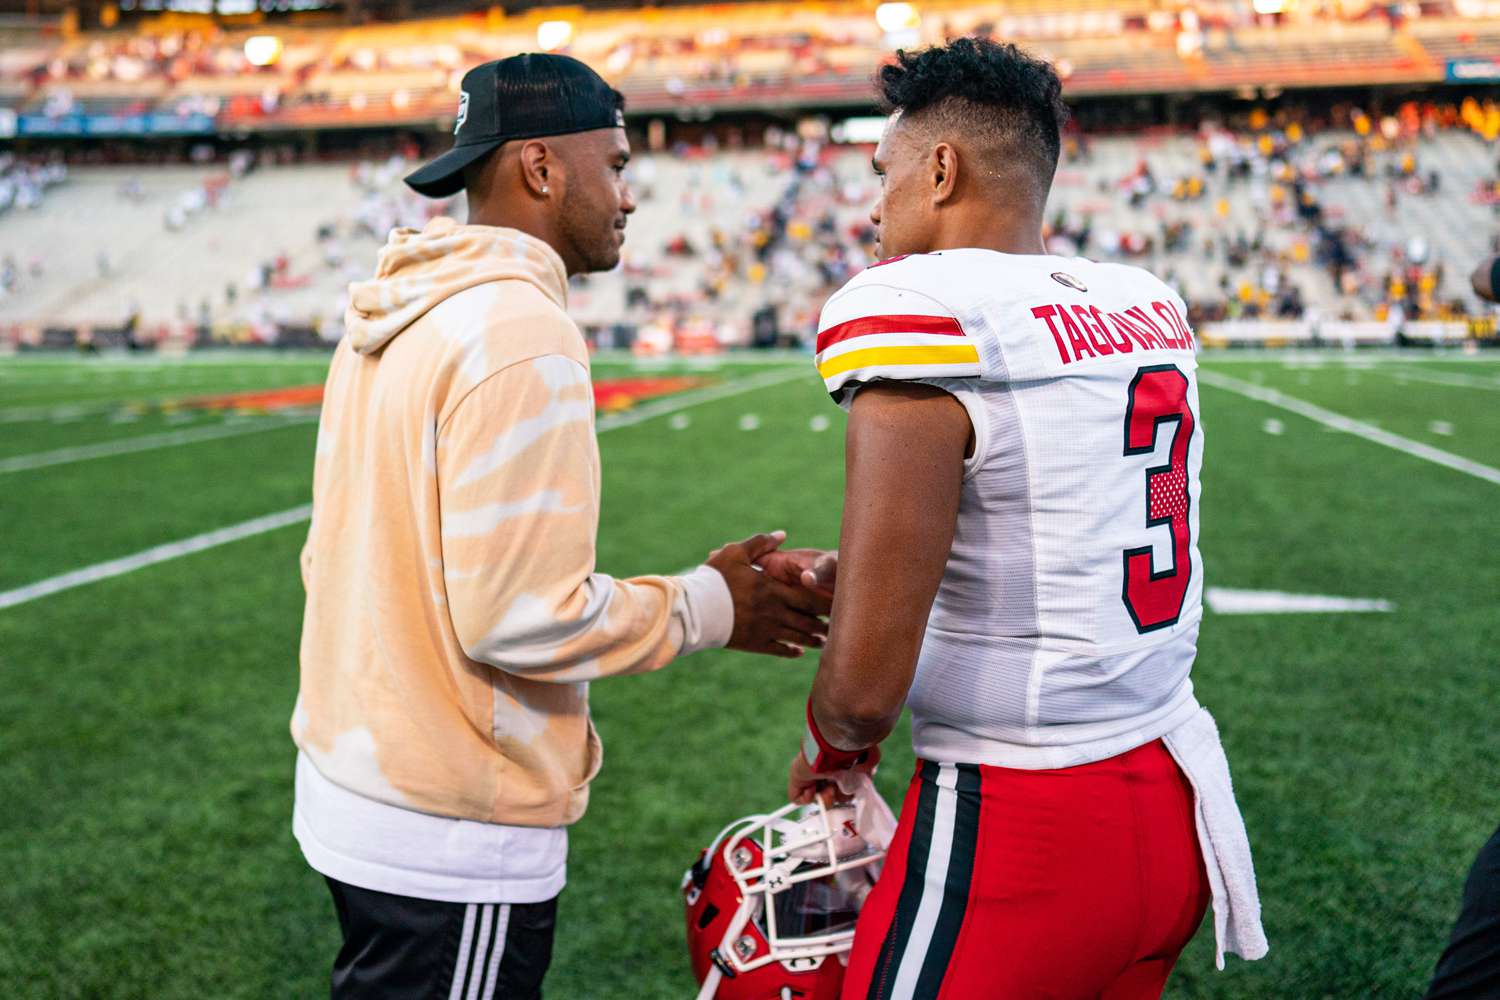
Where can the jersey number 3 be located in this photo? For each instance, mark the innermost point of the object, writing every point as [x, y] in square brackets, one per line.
[1158, 397]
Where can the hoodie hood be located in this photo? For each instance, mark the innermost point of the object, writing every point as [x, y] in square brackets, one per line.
[418, 269]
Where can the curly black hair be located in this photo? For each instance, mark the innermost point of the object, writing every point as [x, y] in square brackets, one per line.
[996, 91]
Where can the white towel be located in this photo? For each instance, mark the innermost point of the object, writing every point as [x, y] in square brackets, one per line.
[1221, 834]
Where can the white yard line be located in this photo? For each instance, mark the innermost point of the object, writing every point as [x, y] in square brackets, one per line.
[1228, 601]
[705, 362]
[1441, 378]
[93, 407]
[695, 397]
[61, 411]
[1336, 356]
[152, 556]
[297, 515]
[146, 442]
[226, 357]
[1359, 428]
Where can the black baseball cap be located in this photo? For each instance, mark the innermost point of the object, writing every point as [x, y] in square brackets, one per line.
[523, 97]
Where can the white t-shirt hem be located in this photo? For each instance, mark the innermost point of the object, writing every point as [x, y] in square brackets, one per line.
[385, 848]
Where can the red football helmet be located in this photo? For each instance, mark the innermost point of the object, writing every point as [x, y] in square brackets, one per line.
[772, 902]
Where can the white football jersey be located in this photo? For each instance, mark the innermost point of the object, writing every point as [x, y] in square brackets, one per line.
[1067, 620]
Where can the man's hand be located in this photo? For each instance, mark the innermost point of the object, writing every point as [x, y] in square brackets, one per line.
[803, 782]
[814, 569]
[769, 616]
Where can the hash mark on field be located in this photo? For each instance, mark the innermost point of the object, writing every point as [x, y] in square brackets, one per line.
[1441, 427]
[296, 515]
[1273, 427]
[1358, 428]
[749, 422]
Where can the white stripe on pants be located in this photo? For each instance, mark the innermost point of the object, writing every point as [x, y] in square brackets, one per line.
[461, 966]
[939, 850]
[486, 921]
[502, 924]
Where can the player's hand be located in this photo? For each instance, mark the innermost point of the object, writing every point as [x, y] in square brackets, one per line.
[814, 569]
[802, 782]
[769, 616]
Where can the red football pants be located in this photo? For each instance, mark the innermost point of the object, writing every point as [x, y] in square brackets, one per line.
[1083, 882]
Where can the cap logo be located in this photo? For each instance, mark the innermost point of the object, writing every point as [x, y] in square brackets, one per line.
[1063, 278]
[463, 111]
[619, 118]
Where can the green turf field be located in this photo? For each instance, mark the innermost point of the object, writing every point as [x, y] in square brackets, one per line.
[146, 768]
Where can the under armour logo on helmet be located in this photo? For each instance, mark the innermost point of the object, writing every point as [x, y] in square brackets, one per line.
[463, 111]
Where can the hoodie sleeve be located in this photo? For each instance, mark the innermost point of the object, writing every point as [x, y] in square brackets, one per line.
[518, 484]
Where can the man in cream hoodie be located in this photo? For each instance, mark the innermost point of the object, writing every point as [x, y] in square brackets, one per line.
[454, 617]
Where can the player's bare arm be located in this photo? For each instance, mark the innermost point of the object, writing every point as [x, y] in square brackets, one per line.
[905, 451]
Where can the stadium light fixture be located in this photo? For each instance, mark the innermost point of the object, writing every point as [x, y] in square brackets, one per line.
[1269, 6]
[553, 35]
[262, 50]
[894, 17]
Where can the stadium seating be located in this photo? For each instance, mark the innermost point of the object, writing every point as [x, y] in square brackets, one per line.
[693, 255]
[119, 255]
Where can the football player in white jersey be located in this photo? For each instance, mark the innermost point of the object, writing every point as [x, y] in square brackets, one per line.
[1018, 563]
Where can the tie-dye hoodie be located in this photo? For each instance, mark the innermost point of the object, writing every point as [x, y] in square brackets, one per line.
[454, 618]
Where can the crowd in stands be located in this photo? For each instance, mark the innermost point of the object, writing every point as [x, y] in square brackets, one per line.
[25, 182]
[1273, 215]
[1282, 169]
[1305, 246]
[135, 58]
[761, 271]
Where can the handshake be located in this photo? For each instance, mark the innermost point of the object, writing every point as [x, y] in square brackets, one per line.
[781, 598]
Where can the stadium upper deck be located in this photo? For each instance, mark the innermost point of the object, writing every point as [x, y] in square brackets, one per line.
[176, 74]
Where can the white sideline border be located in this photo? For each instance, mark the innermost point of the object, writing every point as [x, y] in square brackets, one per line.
[1349, 425]
[297, 515]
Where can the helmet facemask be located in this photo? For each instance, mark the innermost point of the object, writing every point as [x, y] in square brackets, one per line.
[799, 877]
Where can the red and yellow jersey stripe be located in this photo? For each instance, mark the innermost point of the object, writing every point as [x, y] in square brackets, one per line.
[893, 346]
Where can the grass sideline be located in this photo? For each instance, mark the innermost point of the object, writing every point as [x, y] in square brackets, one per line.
[147, 765]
